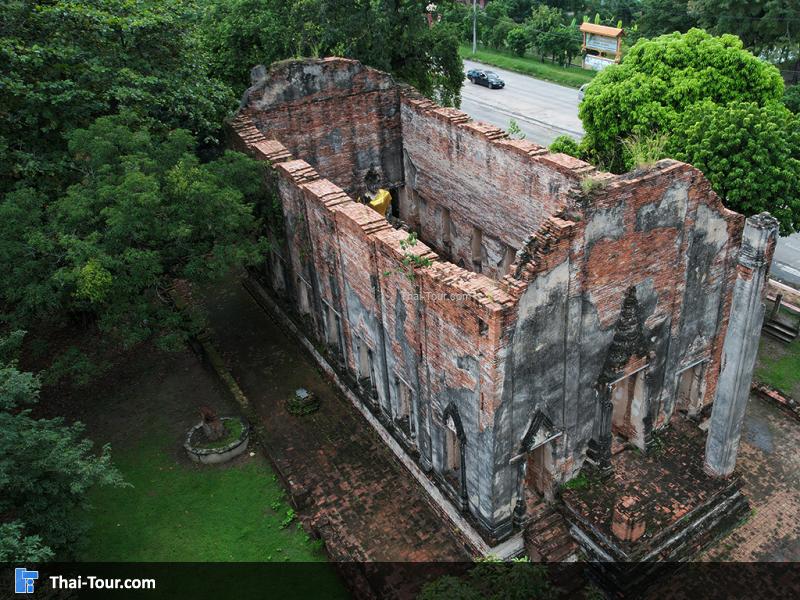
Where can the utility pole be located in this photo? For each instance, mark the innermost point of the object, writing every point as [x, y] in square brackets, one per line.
[474, 26]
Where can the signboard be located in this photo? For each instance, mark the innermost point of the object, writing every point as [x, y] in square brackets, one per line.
[601, 42]
[596, 63]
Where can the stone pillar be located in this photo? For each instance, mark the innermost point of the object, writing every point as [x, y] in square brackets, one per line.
[599, 451]
[741, 344]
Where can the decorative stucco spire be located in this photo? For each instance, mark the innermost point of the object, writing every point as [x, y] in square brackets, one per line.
[627, 337]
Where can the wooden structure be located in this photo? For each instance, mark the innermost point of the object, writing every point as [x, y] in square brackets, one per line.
[602, 46]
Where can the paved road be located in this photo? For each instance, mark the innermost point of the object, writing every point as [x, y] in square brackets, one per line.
[545, 110]
[786, 263]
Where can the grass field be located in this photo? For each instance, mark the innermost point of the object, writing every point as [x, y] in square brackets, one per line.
[176, 511]
[185, 512]
[569, 76]
[778, 365]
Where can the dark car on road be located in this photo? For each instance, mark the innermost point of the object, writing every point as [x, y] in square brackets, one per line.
[487, 78]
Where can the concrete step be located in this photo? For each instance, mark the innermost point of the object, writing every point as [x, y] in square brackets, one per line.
[778, 333]
[548, 540]
[782, 327]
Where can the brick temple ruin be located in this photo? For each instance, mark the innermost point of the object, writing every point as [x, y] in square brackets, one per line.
[550, 318]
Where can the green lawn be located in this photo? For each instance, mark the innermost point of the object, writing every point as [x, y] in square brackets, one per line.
[569, 76]
[179, 511]
[779, 366]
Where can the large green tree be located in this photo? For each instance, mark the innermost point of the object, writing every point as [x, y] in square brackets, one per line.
[46, 469]
[144, 213]
[660, 79]
[749, 153]
[707, 101]
[66, 62]
[392, 35]
[542, 22]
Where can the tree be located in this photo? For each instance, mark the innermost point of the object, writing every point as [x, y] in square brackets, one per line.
[665, 16]
[517, 40]
[609, 12]
[543, 20]
[66, 62]
[766, 27]
[145, 213]
[46, 470]
[749, 153]
[791, 98]
[519, 10]
[458, 17]
[493, 579]
[391, 35]
[500, 31]
[661, 79]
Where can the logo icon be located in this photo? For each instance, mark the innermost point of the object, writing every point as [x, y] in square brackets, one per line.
[23, 580]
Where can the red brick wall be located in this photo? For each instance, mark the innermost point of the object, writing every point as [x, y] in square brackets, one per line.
[499, 347]
[337, 115]
[506, 187]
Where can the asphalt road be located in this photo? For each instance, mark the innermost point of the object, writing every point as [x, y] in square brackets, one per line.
[545, 110]
[786, 262]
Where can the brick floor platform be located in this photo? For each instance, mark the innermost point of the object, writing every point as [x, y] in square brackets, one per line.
[656, 507]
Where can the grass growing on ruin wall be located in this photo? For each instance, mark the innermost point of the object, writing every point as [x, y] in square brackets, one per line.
[570, 76]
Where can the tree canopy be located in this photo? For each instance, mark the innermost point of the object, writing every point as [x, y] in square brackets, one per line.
[749, 153]
[144, 213]
[765, 27]
[492, 579]
[66, 62]
[46, 468]
[391, 35]
[660, 79]
[691, 90]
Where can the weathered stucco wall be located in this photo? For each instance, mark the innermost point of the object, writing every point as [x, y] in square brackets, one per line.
[509, 341]
[666, 235]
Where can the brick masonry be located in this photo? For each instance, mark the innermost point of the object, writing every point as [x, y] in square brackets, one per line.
[505, 310]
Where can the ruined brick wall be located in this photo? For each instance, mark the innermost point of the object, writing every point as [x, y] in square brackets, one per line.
[482, 178]
[662, 232]
[337, 115]
[426, 328]
[513, 337]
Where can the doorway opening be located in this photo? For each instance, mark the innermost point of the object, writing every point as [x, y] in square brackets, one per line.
[452, 466]
[629, 407]
[691, 386]
[538, 478]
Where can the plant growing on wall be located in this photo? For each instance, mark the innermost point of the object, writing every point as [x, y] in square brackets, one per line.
[410, 261]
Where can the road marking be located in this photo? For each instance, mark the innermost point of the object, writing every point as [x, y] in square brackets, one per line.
[784, 267]
[526, 118]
